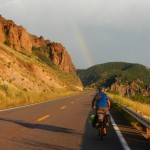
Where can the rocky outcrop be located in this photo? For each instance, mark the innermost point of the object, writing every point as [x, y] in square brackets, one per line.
[2, 36]
[129, 89]
[19, 39]
[60, 57]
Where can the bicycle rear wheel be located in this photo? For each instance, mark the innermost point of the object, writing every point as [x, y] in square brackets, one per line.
[101, 134]
[100, 130]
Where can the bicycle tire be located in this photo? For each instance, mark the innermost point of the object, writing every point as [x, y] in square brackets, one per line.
[100, 130]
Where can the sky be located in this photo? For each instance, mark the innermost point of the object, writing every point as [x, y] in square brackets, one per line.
[92, 31]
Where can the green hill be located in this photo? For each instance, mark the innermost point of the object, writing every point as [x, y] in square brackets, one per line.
[127, 79]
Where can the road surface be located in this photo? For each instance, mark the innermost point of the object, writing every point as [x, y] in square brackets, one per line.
[63, 124]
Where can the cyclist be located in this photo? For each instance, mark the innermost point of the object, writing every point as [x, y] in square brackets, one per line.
[101, 102]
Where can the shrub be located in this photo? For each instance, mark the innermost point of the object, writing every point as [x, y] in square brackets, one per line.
[4, 87]
[37, 52]
[140, 98]
[19, 94]
[7, 42]
[48, 61]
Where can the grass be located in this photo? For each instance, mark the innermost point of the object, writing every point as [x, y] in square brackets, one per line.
[140, 108]
[32, 97]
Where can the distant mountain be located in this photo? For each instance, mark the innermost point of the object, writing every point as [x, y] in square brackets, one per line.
[31, 64]
[127, 79]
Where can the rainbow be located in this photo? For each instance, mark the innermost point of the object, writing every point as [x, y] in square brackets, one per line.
[81, 40]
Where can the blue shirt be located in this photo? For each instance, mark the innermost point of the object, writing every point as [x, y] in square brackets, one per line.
[102, 101]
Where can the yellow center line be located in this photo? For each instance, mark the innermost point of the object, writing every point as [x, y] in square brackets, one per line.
[63, 107]
[42, 118]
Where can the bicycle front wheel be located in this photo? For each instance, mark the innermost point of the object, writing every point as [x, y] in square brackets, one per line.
[101, 132]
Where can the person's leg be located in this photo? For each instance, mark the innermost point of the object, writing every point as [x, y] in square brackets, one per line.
[104, 131]
[107, 120]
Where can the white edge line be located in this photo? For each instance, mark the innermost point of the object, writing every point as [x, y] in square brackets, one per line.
[120, 136]
[36, 103]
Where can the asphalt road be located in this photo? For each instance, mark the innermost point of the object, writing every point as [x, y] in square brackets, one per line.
[63, 124]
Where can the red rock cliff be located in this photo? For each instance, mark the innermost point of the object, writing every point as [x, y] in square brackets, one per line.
[19, 39]
[60, 57]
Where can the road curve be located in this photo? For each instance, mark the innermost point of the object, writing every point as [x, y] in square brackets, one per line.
[63, 124]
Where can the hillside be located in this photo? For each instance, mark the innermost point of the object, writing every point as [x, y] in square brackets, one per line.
[20, 40]
[33, 68]
[24, 76]
[127, 79]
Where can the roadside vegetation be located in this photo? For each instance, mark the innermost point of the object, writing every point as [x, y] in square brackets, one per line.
[139, 107]
[22, 98]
